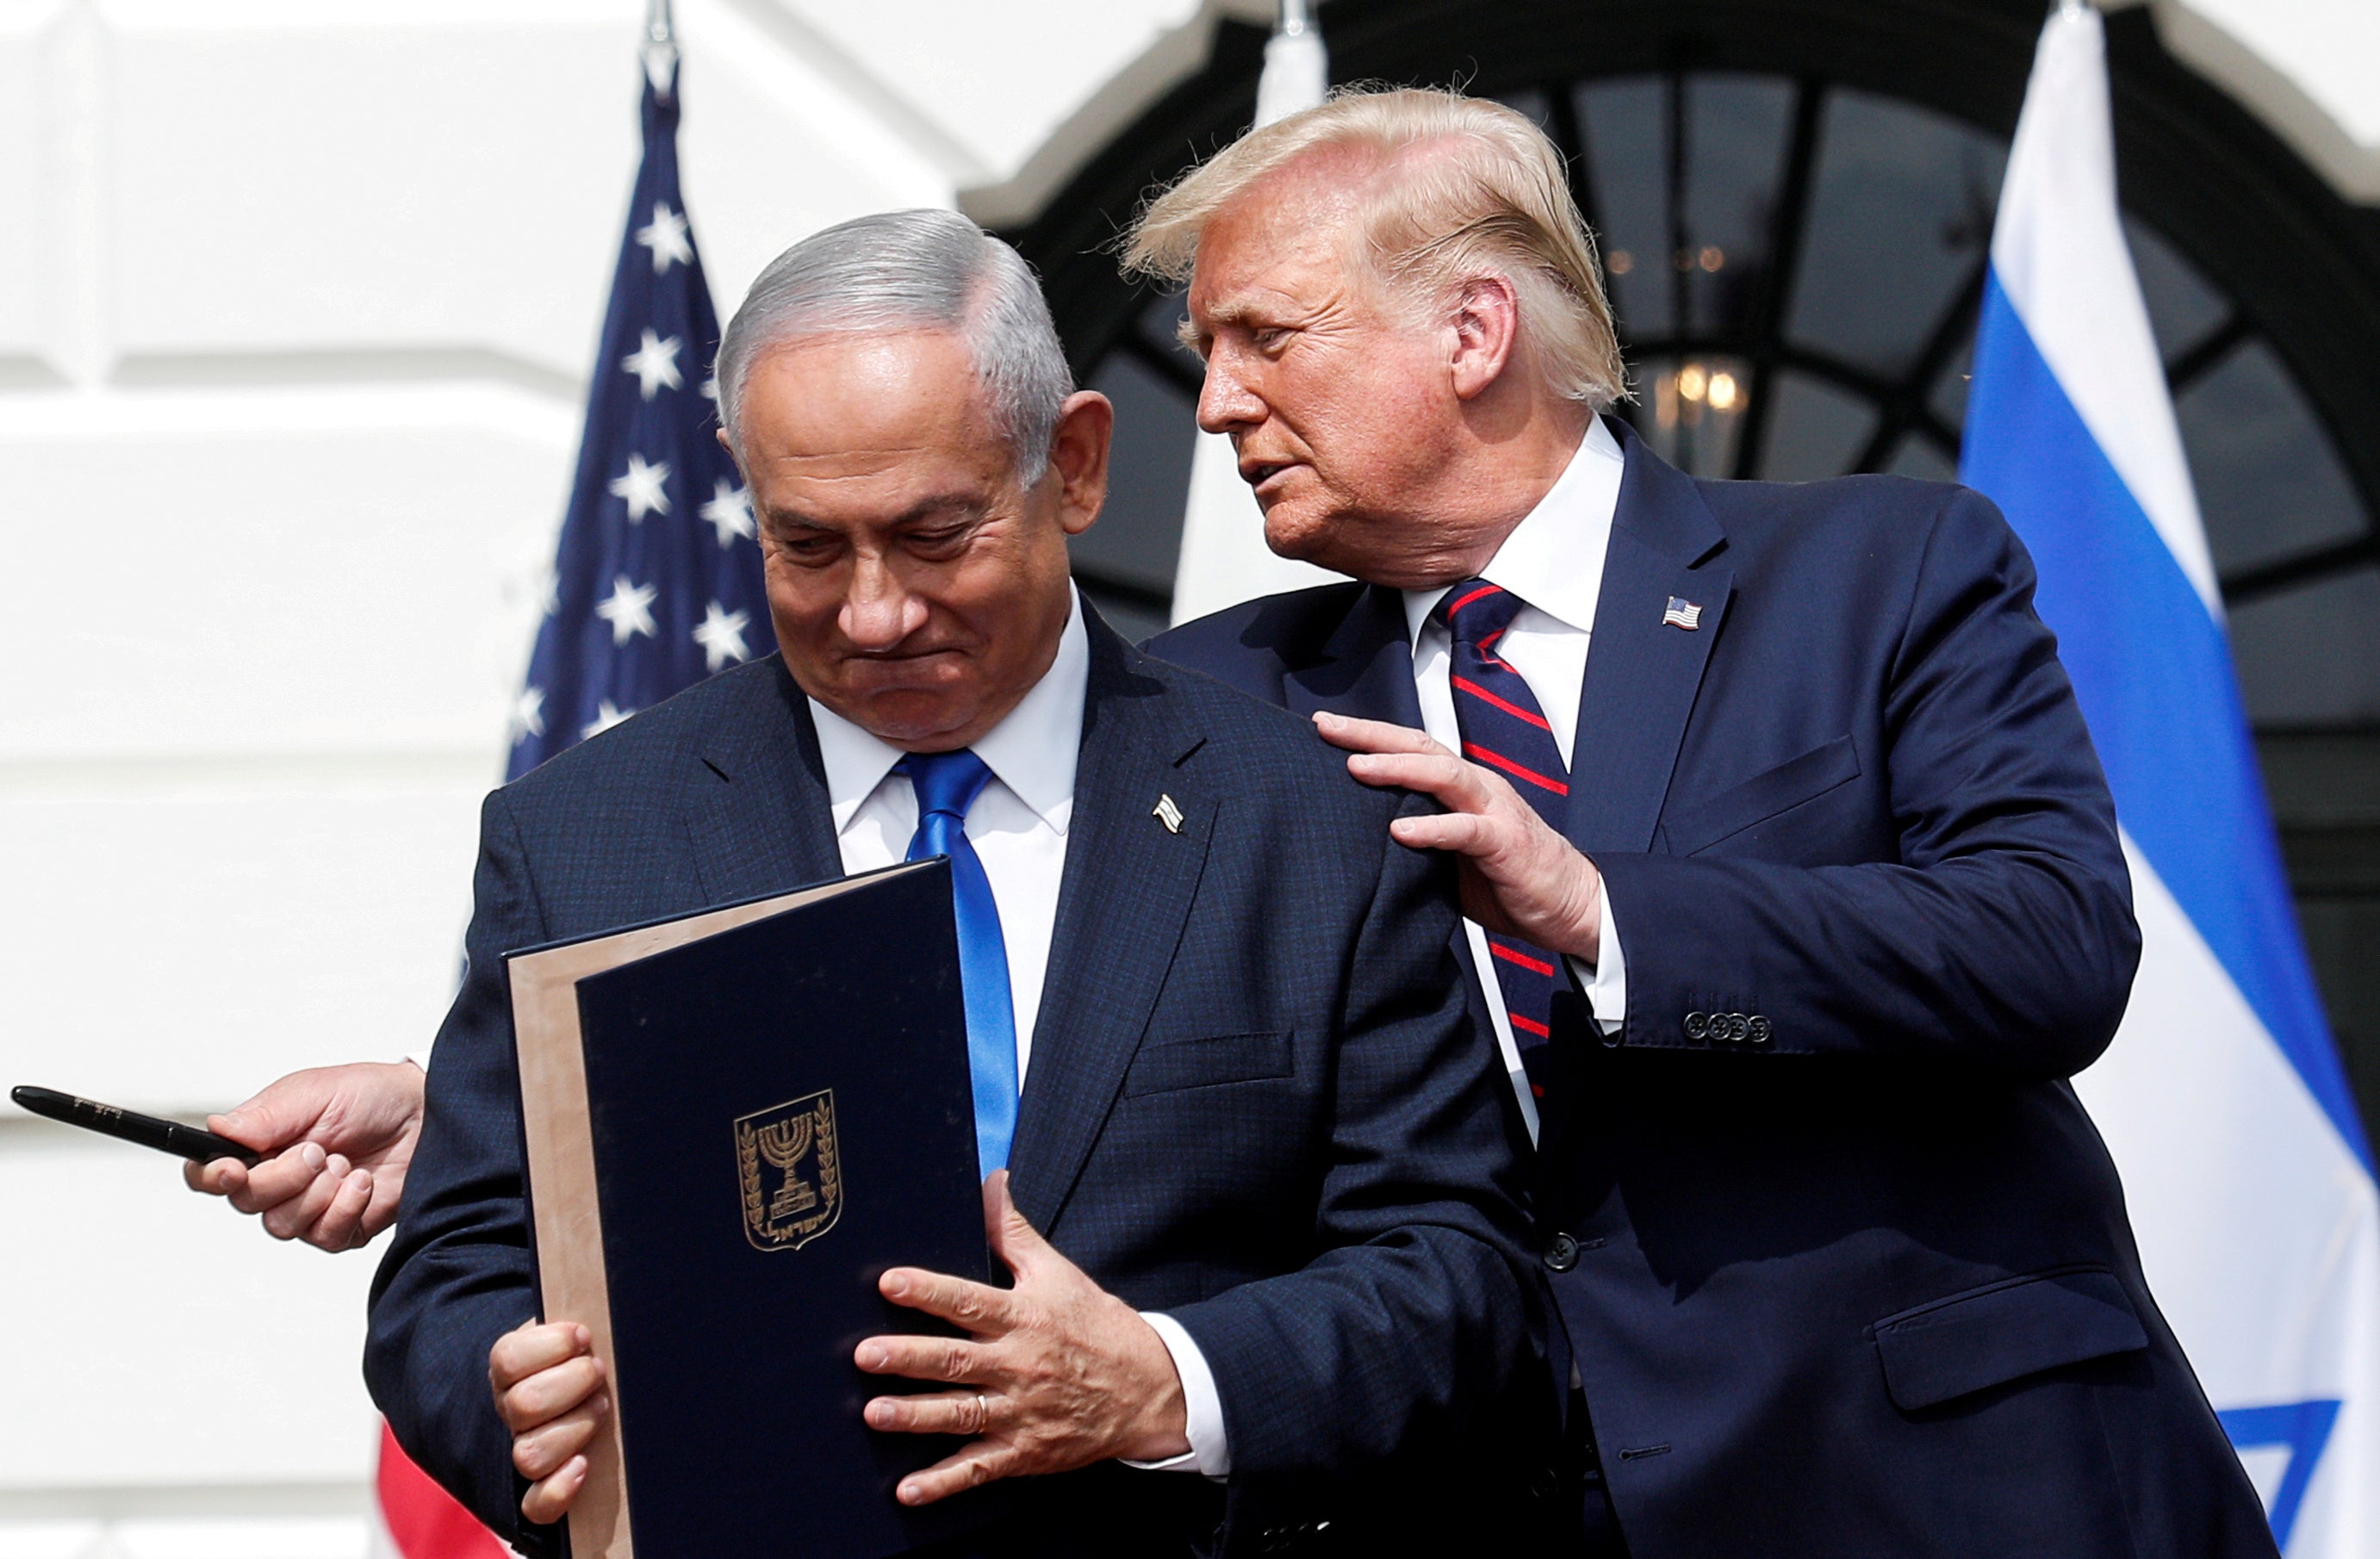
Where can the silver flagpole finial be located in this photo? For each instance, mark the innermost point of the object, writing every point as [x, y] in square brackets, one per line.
[661, 46]
[1293, 17]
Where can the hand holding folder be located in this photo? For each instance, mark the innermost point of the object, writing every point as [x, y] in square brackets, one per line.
[1058, 1373]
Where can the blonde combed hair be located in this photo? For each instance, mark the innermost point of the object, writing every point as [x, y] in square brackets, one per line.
[1463, 188]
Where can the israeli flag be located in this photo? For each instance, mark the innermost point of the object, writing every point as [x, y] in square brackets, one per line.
[2249, 1175]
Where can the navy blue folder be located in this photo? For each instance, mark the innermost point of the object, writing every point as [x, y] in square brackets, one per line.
[778, 1112]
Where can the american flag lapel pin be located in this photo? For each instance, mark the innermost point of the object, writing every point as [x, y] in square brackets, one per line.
[1168, 814]
[1682, 614]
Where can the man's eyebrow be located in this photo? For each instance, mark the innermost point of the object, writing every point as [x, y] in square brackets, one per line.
[924, 508]
[1239, 312]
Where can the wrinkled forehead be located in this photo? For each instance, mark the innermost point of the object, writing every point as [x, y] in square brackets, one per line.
[1297, 228]
[868, 422]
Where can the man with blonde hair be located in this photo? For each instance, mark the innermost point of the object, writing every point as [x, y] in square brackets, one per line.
[1794, 890]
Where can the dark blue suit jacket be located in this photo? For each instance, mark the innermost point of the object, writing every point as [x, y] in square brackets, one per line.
[1845, 1266]
[1255, 1098]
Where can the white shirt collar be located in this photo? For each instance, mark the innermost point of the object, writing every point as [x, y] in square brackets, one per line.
[1032, 751]
[1553, 559]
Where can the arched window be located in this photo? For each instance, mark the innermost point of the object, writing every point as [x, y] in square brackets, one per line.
[1794, 199]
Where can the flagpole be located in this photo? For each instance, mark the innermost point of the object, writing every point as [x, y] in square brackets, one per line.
[661, 46]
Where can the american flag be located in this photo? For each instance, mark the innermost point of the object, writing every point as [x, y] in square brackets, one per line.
[657, 580]
[1682, 614]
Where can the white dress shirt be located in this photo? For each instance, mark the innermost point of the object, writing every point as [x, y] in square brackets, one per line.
[1018, 828]
[1553, 561]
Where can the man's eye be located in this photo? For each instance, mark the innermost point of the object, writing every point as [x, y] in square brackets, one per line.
[942, 539]
[807, 549]
[1270, 339]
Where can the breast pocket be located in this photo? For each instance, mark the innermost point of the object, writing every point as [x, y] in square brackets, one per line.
[2003, 1332]
[1701, 824]
[1207, 1060]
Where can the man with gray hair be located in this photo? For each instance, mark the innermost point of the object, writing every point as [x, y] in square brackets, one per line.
[1793, 886]
[1250, 1168]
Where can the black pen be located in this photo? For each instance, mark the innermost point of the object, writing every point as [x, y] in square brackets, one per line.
[130, 1126]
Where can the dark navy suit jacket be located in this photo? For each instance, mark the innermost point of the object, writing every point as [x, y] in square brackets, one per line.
[1844, 1265]
[1255, 1100]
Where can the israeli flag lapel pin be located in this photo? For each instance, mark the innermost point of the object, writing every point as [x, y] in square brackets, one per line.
[1168, 814]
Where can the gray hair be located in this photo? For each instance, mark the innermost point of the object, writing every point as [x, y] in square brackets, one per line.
[914, 270]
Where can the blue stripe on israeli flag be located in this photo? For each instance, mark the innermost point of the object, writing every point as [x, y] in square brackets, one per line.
[2248, 1175]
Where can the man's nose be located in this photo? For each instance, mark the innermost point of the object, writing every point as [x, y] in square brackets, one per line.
[1226, 401]
[878, 612]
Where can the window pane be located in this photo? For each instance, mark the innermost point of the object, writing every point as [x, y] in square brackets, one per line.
[2340, 935]
[1692, 410]
[2311, 656]
[1949, 397]
[1736, 128]
[1621, 119]
[1159, 325]
[1901, 214]
[2269, 481]
[1814, 429]
[1139, 532]
[2184, 308]
[1918, 457]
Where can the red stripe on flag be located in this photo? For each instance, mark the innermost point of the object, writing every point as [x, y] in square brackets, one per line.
[1482, 590]
[1530, 1025]
[422, 1518]
[1473, 749]
[1513, 955]
[1509, 707]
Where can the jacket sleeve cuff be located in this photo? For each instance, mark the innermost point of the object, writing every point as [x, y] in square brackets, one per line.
[1605, 982]
[1209, 1452]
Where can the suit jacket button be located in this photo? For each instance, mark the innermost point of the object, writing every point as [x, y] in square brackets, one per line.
[1759, 1030]
[1561, 1253]
[1698, 1027]
[1737, 1027]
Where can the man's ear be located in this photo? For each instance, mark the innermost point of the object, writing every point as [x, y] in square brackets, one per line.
[1485, 328]
[1079, 458]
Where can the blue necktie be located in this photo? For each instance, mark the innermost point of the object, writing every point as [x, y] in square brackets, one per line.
[1503, 727]
[946, 785]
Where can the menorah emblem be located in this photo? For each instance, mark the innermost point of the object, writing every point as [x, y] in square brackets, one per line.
[796, 1139]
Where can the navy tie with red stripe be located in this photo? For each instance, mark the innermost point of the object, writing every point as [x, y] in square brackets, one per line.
[1503, 727]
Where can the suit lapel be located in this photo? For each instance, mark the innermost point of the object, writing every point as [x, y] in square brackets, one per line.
[1123, 903]
[1366, 666]
[1643, 674]
[759, 820]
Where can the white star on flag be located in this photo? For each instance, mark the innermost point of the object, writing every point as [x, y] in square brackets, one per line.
[606, 716]
[710, 389]
[730, 511]
[722, 636]
[654, 362]
[666, 238]
[642, 487]
[528, 714]
[628, 609]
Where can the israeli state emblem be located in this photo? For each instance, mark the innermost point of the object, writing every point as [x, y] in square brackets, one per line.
[792, 1169]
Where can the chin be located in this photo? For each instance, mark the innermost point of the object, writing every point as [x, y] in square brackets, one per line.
[1305, 539]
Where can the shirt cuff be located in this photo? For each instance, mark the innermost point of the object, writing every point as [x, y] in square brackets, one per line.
[1605, 982]
[1202, 1406]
